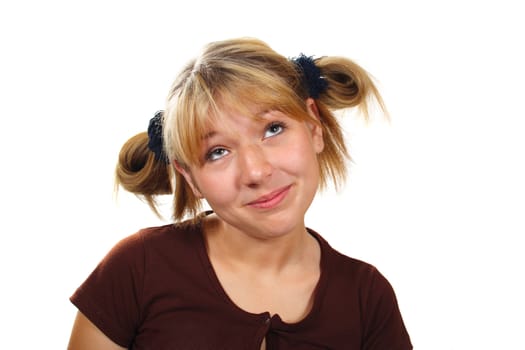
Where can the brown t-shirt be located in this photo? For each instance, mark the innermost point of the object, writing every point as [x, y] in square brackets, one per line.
[157, 290]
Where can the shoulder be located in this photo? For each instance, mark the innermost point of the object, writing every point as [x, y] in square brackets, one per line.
[115, 294]
[138, 245]
[349, 271]
[173, 237]
[356, 285]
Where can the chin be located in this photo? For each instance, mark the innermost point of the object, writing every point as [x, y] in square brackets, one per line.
[280, 224]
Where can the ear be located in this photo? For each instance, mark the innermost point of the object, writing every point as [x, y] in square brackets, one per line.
[315, 127]
[189, 179]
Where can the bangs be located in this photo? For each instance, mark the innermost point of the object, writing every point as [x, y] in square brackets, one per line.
[200, 105]
[254, 100]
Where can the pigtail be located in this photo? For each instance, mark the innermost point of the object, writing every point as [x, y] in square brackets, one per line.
[349, 85]
[139, 172]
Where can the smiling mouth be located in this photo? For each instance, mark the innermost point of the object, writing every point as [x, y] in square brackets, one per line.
[270, 200]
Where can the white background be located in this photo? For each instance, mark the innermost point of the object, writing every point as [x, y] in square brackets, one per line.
[435, 199]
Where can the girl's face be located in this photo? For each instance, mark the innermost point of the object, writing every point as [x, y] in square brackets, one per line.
[259, 175]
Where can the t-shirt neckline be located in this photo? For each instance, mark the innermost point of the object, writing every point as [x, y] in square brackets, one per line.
[276, 321]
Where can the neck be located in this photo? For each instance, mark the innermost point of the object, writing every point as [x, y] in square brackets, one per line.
[271, 255]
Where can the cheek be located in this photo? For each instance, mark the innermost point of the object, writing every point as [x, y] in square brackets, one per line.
[300, 157]
[217, 187]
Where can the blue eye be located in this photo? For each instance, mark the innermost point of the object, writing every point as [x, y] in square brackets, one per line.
[275, 128]
[216, 153]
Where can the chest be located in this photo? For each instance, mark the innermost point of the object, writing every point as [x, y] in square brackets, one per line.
[290, 298]
[201, 316]
[199, 329]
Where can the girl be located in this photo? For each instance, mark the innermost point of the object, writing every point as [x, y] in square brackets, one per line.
[253, 134]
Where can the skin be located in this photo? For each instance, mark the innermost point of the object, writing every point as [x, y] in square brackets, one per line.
[86, 336]
[259, 176]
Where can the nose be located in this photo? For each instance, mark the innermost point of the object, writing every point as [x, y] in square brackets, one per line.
[254, 165]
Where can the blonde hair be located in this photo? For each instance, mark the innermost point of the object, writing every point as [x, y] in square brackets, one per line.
[240, 74]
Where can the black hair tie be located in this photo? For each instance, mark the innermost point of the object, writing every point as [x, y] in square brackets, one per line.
[155, 141]
[311, 75]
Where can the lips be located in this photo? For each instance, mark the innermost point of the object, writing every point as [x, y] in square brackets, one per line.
[270, 200]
